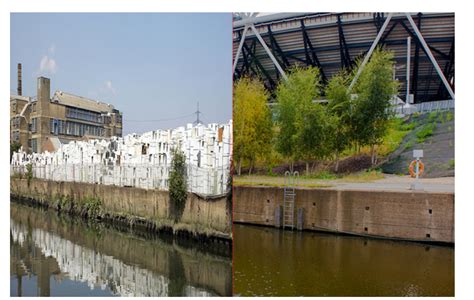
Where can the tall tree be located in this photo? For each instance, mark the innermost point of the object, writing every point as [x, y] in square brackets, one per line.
[297, 116]
[252, 122]
[375, 88]
[340, 117]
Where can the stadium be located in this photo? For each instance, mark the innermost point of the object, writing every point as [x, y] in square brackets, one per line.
[268, 45]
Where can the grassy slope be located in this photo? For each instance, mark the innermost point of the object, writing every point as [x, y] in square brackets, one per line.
[434, 133]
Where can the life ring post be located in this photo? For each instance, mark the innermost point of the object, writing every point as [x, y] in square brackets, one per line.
[417, 168]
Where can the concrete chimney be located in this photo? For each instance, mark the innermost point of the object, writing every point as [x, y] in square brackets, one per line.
[19, 80]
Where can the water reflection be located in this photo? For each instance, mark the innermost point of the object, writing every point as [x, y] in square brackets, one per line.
[276, 263]
[59, 256]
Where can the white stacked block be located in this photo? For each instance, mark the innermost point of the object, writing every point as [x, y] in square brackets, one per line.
[140, 160]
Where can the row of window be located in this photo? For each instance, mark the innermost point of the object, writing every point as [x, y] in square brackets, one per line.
[82, 114]
[73, 128]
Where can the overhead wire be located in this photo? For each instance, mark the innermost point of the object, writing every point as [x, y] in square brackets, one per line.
[162, 120]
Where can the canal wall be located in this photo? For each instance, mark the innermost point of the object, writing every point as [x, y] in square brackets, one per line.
[151, 209]
[410, 215]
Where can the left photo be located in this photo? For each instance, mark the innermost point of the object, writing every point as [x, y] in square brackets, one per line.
[120, 154]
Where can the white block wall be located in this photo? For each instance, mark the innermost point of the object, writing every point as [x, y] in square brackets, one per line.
[140, 160]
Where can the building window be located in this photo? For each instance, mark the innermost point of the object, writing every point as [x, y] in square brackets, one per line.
[16, 122]
[54, 126]
[14, 107]
[34, 145]
[118, 118]
[82, 114]
[16, 136]
[33, 125]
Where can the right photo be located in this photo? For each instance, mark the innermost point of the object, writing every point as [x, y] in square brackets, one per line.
[343, 154]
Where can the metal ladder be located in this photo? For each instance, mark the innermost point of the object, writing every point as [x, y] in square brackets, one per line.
[289, 195]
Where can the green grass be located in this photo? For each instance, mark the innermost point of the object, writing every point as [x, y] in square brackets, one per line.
[398, 129]
[451, 163]
[449, 116]
[365, 176]
[276, 184]
[425, 132]
[408, 126]
[433, 116]
[409, 145]
[323, 175]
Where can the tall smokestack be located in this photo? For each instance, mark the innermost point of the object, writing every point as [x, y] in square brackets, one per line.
[19, 80]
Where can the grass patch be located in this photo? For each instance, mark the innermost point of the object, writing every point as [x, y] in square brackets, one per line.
[425, 132]
[397, 130]
[433, 116]
[276, 184]
[366, 176]
[451, 163]
[409, 145]
[449, 116]
[323, 175]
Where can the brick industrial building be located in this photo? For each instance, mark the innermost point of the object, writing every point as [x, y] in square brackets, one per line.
[44, 123]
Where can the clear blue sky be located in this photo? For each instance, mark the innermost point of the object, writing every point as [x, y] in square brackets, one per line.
[149, 66]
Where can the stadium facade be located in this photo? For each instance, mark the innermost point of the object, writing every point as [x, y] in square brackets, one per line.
[332, 41]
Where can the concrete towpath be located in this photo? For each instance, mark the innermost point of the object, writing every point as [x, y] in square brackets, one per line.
[386, 183]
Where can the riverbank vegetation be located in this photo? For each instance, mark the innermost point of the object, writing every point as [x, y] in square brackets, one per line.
[317, 125]
[177, 184]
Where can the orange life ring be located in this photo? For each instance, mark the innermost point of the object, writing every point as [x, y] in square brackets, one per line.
[421, 168]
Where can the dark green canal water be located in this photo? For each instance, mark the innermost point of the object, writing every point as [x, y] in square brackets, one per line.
[271, 262]
[56, 255]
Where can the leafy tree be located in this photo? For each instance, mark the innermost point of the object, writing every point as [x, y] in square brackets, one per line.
[297, 115]
[178, 183]
[252, 122]
[339, 119]
[374, 90]
[312, 134]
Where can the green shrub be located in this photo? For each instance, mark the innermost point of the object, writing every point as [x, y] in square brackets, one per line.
[29, 173]
[178, 184]
[409, 126]
[449, 116]
[425, 132]
[451, 163]
[92, 204]
[432, 117]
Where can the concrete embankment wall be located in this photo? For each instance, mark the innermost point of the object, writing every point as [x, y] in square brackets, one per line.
[207, 217]
[417, 216]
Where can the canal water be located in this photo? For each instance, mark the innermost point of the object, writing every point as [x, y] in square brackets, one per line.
[57, 255]
[271, 262]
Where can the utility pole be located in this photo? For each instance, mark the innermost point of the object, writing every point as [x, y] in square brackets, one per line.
[198, 121]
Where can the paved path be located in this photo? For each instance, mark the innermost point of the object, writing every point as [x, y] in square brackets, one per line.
[388, 183]
[401, 183]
